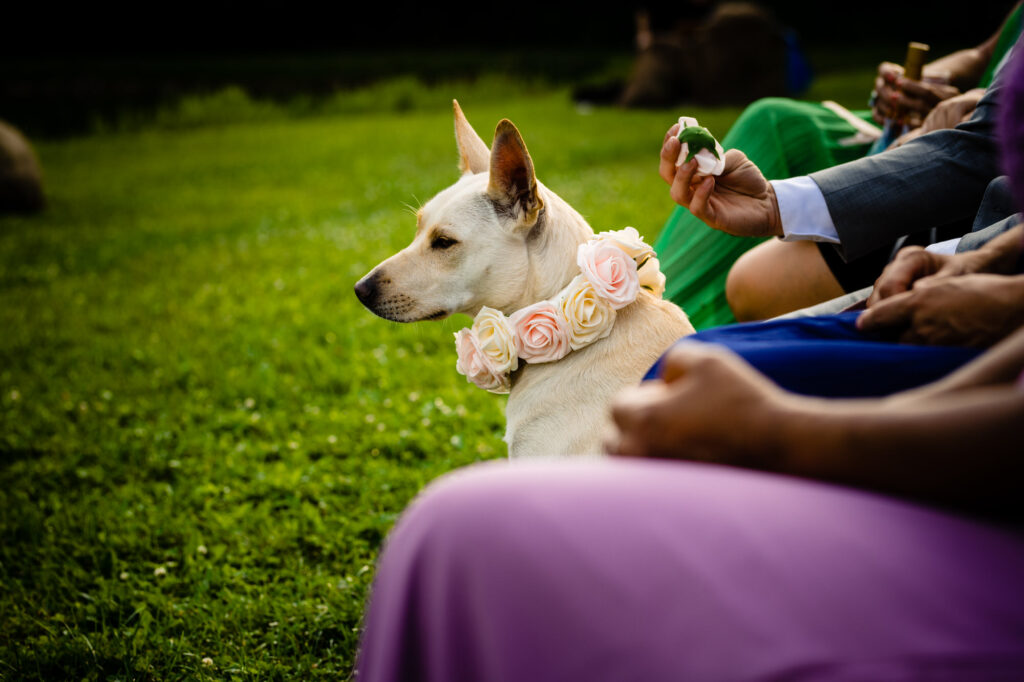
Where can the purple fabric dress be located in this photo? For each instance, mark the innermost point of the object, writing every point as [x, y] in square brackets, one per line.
[645, 570]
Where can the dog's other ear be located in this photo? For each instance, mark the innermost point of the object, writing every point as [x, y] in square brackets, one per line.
[474, 156]
[513, 184]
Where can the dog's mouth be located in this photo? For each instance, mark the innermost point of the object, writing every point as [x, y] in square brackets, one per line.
[398, 315]
[397, 307]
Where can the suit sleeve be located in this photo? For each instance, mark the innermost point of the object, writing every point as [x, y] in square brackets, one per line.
[931, 181]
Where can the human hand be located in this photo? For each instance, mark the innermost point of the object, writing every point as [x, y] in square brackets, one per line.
[946, 114]
[900, 98]
[740, 201]
[709, 406]
[914, 263]
[974, 309]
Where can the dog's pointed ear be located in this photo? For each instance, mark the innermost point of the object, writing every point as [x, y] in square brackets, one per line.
[474, 156]
[513, 184]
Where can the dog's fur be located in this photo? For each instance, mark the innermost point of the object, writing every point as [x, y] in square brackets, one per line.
[499, 238]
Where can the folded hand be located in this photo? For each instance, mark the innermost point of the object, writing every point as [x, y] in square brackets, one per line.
[969, 310]
[710, 406]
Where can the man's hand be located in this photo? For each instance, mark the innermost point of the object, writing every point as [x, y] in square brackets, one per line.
[970, 310]
[739, 201]
[946, 114]
[710, 406]
[910, 264]
[999, 256]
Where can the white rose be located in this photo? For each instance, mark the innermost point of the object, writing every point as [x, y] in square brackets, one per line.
[652, 278]
[630, 241]
[590, 317]
[497, 342]
[707, 163]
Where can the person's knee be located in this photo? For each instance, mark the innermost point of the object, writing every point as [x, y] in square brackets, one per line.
[764, 107]
[746, 286]
[763, 113]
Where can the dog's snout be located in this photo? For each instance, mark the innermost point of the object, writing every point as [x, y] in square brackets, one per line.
[366, 289]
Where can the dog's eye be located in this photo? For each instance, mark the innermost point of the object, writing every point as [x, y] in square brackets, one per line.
[441, 243]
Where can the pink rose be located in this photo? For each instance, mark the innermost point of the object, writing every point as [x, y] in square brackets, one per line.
[542, 335]
[475, 365]
[611, 270]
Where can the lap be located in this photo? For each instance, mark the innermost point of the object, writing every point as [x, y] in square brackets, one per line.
[616, 570]
[827, 356]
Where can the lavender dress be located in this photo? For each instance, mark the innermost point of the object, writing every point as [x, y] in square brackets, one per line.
[644, 570]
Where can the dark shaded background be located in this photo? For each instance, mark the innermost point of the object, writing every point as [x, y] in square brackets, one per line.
[182, 27]
[62, 66]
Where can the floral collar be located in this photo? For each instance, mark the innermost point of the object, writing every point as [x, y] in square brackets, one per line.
[613, 265]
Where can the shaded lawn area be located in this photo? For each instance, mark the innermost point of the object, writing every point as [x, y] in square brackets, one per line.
[204, 437]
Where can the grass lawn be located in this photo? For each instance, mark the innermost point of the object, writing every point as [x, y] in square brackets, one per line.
[204, 437]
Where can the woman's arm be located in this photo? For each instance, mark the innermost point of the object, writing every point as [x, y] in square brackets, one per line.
[960, 445]
[963, 448]
[964, 68]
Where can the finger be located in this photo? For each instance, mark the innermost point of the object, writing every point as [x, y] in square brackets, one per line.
[904, 103]
[623, 445]
[889, 71]
[669, 154]
[926, 91]
[700, 200]
[910, 264]
[883, 109]
[917, 90]
[629, 407]
[671, 132]
[684, 358]
[892, 313]
[680, 359]
[681, 191]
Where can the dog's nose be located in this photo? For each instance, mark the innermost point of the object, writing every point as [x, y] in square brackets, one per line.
[366, 289]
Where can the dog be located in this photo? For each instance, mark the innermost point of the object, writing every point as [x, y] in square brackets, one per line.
[499, 238]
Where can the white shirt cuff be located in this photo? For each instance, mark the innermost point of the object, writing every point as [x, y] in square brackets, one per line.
[803, 211]
[946, 248]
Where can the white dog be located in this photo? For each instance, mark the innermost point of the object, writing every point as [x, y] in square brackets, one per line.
[499, 238]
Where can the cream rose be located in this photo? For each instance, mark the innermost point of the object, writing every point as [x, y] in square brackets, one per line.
[497, 342]
[707, 164]
[652, 278]
[630, 241]
[542, 334]
[476, 366]
[589, 316]
[611, 271]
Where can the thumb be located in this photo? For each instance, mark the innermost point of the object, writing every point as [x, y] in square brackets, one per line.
[685, 357]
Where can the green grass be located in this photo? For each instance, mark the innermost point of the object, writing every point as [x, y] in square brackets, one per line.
[203, 436]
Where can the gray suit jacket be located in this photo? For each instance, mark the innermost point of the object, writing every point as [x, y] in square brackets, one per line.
[931, 181]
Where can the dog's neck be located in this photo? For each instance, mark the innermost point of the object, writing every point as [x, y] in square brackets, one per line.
[551, 245]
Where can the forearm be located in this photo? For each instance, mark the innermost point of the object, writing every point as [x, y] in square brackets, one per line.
[962, 68]
[961, 449]
[1001, 254]
[965, 67]
[932, 180]
[1001, 364]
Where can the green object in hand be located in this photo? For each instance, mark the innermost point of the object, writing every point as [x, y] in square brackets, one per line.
[697, 138]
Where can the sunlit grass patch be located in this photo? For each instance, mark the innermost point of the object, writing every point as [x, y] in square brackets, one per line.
[204, 437]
